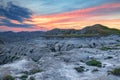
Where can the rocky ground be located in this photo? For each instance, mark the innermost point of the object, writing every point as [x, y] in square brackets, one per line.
[61, 59]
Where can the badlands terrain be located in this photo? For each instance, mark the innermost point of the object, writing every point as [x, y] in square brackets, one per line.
[58, 58]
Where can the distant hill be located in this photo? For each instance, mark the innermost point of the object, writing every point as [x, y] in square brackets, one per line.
[57, 31]
[94, 30]
[100, 30]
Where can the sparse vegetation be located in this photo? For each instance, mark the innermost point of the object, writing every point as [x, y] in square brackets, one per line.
[8, 77]
[72, 35]
[79, 69]
[116, 71]
[94, 62]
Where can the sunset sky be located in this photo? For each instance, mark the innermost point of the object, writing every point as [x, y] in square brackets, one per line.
[35, 15]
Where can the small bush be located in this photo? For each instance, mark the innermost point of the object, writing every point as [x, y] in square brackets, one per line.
[24, 77]
[31, 78]
[36, 70]
[81, 61]
[109, 57]
[94, 63]
[95, 70]
[118, 40]
[79, 69]
[32, 71]
[8, 77]
[116, 71]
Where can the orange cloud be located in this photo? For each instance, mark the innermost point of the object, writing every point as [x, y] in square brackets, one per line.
[15, 22]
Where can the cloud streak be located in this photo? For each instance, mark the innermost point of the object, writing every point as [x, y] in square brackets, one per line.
[5, 22]
[12, 13]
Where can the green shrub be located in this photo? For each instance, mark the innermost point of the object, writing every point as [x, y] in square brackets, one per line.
[116, 71]
[118, 40]
[79, 69]
[81, 61]
[36, 70]
[109, 57]
[8, 77]
[32, 71]
[31, 78]
[24, 77]
[95, 70]
[94, 62]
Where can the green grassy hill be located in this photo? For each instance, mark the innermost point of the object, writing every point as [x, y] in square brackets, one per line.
[89, 31]
[100, 30]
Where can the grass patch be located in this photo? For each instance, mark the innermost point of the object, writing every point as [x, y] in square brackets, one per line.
[79, 69]
[105, 48]
[8, 77]
[116, 71]
[94, 62]
[117, 45]
[32, 71]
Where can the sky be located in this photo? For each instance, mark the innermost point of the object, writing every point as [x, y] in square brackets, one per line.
[43, 15]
